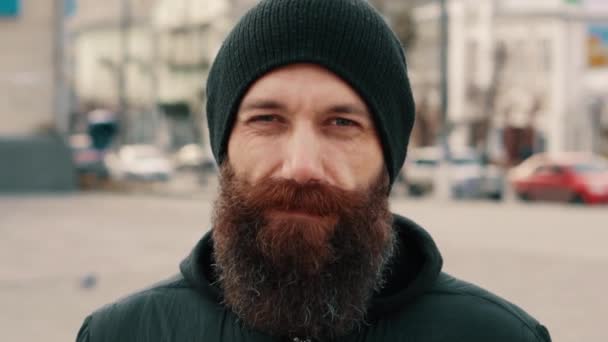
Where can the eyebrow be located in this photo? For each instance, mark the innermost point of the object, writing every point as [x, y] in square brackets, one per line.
[344, 108]
[348, 109]
[263, 104]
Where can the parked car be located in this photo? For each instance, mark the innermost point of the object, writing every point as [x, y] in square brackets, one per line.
[87, 159]
[139, 162]
[567, 177]
[89, 149]
[193, 157]
[468, 176]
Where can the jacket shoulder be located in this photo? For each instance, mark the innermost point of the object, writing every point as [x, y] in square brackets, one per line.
[144, 315]
[485, 313]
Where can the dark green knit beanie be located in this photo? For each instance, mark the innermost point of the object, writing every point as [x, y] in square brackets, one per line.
[347, 37]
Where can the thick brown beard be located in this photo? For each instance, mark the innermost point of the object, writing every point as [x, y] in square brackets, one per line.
[300, 276]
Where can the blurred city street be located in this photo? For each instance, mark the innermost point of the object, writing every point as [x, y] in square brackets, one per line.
[107, 175]
[66, 255]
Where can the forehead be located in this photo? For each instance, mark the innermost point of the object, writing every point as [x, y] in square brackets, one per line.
[303, 82]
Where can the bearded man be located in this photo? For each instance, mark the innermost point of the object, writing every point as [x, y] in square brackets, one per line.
[310, 112]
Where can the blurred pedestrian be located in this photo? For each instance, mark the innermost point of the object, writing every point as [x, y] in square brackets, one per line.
[310, 112]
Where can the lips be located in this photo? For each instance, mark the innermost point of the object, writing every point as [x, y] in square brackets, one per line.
[293, 213]
[296, 215]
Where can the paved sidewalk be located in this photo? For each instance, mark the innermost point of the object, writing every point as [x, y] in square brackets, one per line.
[64, 256]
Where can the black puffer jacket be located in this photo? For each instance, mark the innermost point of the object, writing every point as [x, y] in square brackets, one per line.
[419, 304]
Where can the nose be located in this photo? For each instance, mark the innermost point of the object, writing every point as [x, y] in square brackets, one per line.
[302, 161]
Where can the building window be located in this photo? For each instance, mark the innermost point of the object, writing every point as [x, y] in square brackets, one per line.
[9, 8]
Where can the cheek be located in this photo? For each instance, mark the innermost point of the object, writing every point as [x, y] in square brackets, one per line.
[369, 163]
[252, 157]
[355, 165]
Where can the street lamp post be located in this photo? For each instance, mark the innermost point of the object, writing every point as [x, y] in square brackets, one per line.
[442, 182]
[125, 26]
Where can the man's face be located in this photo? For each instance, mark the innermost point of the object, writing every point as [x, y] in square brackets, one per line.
[302, 227]
[303, 123]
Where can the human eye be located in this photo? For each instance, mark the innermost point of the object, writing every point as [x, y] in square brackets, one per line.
[266, 123]
[343, 122]
[264, 118]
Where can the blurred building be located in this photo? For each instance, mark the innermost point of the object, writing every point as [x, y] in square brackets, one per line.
[112, 49]
[152, 57]
[33, 98]
[31, 75]
[524, 76]
[189, 34]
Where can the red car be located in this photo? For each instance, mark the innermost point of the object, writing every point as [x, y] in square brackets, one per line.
[574, 178]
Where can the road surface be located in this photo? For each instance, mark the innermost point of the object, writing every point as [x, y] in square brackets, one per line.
[64, 256]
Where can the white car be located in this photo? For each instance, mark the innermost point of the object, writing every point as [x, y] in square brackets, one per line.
[468, 177]
[193, 157]
[139, 162]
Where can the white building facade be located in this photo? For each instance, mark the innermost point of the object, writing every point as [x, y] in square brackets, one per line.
[189, 34]
[112, 53]
[517, 65]
[171, 45]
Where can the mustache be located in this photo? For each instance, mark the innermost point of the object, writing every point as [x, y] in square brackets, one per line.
[314, 198]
